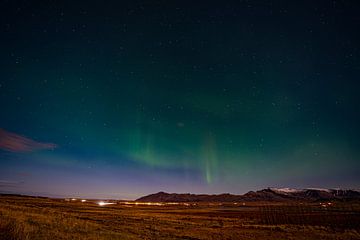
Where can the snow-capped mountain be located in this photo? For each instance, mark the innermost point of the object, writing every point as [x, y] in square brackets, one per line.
[286, 190]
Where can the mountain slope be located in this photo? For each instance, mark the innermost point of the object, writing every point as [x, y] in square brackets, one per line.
[269, 194]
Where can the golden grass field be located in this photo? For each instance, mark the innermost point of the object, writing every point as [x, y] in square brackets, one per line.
[45, 218]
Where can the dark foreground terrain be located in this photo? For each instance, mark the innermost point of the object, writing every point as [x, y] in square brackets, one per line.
[44, 218]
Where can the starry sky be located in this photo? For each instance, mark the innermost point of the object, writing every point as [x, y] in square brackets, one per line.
[120, 99]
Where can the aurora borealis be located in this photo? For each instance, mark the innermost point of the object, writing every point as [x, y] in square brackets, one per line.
[124, 99]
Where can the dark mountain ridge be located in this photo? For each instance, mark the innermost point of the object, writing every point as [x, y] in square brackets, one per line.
[268, 194]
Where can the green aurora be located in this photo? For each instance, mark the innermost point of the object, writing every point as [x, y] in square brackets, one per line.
[149, 96]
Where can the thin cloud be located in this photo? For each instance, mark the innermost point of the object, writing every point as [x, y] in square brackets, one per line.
[13, 142]
[7, 183]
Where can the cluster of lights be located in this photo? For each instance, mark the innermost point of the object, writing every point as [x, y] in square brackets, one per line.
[154, 203]
[74, 199]
[103, 203]
[328, 204]
[239, 203]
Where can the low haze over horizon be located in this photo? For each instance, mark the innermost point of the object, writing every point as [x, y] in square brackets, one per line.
[123, 99]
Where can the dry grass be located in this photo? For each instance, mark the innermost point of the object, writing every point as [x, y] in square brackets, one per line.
[41, 218]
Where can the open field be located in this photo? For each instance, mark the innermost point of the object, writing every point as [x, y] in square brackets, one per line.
[44, 218]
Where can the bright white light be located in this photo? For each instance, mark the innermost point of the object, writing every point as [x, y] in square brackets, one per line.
[101, 203]
[73, 199]
[83, 200]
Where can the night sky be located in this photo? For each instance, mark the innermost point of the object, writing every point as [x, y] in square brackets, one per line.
[120, 99]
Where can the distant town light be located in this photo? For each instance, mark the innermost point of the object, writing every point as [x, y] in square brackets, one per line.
[101, 203]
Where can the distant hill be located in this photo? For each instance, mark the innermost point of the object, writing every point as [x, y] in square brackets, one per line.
[268, 194]
[187, 197]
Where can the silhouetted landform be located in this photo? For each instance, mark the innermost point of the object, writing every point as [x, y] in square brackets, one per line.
[21, 195]
[269, 194]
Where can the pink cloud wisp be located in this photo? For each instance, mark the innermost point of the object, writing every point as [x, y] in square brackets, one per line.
[13, 142]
